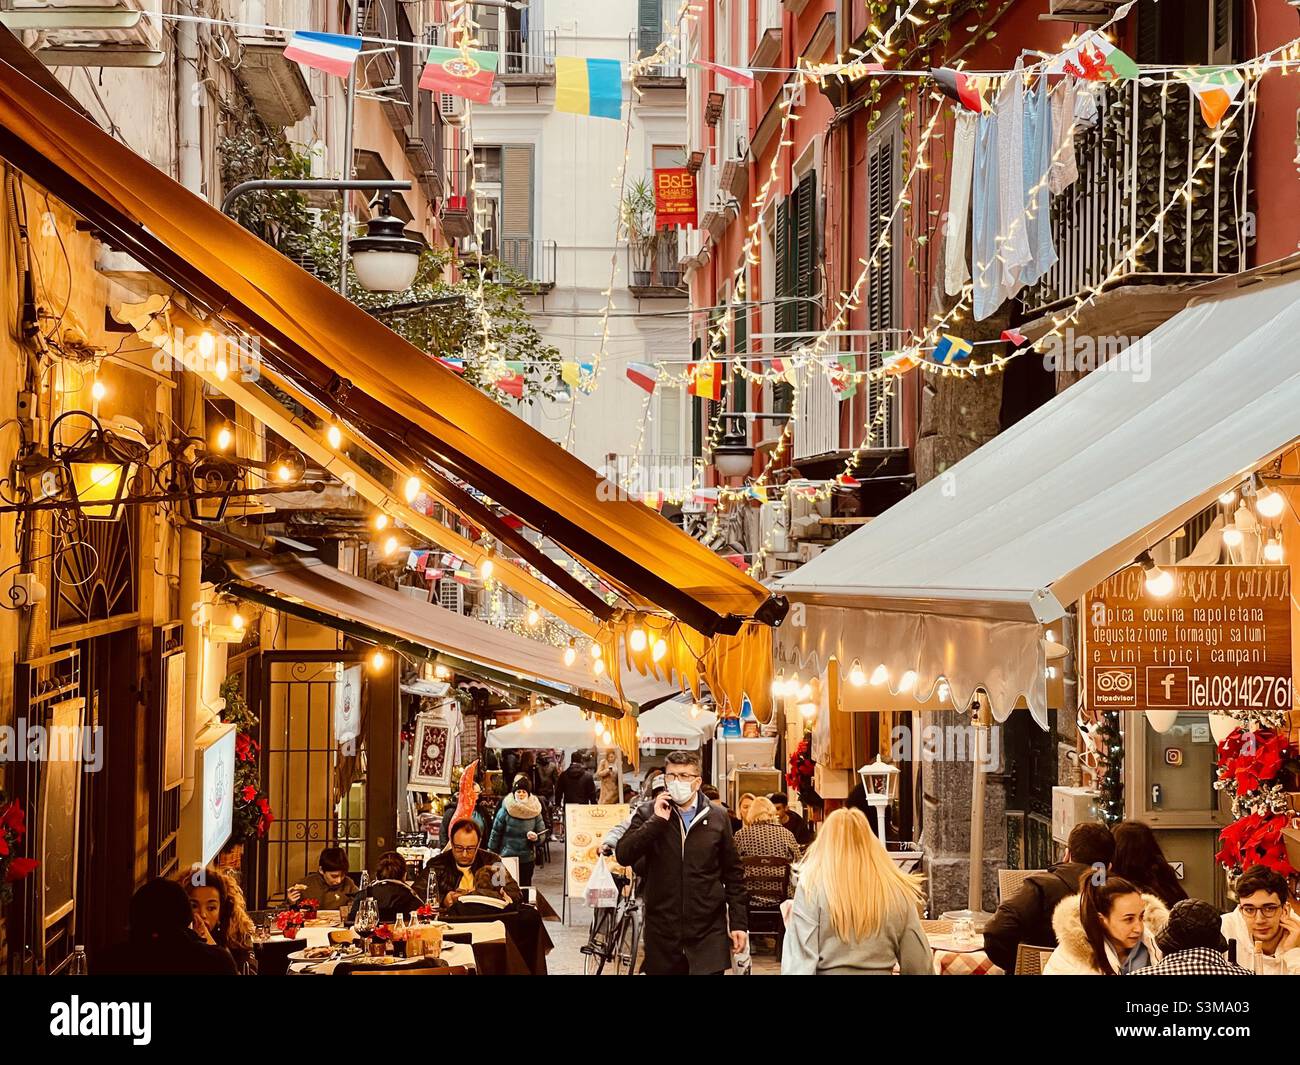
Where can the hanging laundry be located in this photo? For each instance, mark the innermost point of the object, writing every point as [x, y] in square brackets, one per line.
[985, 217]
[1013, 236]
[1038, 200]
[955, 271]
[1065, 168]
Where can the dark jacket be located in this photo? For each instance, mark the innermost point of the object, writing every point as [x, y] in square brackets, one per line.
[693, 884]
[446, 876]
[1026, 917]
[576, 785]
[392, 896]
[183, 954]
[509, 835]
[328, 898]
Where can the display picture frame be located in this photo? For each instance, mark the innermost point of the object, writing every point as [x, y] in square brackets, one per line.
[432, 747]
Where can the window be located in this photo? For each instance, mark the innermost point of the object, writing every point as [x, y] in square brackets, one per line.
[649, 25]
[504, 176]
[667, 156]
[1198, 31]
[795, 242]
[882, 295]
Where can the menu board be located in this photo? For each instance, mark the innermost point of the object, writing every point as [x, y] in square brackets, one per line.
[584, 828]
[1221, 641]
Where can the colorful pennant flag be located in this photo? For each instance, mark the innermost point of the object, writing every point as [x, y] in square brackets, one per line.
[654, 500]
[579, 375]
[334, 53]
[467, 74]
[952, 349]
[757, 491]
[706, 381]
[736, 75]
[844, 377]
[783, 369]
[900, 363]
[1015, 336]
[462, 573]
[589, 86]
[431, 574]
[512, 382]
[643, 375]
[454, 365]
[958, 86]
[737, 560]
[1215, 88]
[845, 481]
[1094, 58]
[707, 496]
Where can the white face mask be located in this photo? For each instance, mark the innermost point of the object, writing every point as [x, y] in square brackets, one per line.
[681, 791]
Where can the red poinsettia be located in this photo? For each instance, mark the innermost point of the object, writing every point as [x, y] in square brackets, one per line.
[13, 827]
[290, 919]
[425, 911]
[249, 793]
[1251, 759]
[383, 931]
[1255, 839]
[246, 748]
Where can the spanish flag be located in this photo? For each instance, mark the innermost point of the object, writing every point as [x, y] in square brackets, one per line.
[706, 381]
[589, 86]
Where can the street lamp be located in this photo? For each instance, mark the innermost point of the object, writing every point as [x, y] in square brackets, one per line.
[101, 466]
[734, 456]
[385, 259]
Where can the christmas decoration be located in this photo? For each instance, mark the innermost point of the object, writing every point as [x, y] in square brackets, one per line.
[13, 826]
[1255, 764]
[252, 815]
[1110, 779]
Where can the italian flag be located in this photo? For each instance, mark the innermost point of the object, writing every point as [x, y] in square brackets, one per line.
[467, 74]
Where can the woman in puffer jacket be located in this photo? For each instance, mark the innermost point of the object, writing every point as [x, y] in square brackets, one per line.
[517, 828]
[1108, 929]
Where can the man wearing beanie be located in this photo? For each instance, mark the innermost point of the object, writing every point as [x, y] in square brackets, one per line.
[1193, 944]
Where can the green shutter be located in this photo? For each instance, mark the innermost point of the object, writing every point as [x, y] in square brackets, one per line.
[649, 25]
[697, 409]
[740, 345]
[805, 255]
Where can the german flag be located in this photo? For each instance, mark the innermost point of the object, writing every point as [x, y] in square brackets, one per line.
[958, 86]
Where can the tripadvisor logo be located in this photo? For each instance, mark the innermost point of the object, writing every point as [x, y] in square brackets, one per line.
[133, 1020]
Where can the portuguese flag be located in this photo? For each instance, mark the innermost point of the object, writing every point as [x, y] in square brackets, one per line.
[467, 74]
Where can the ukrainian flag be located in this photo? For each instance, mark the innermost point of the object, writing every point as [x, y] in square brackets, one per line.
[589, 86]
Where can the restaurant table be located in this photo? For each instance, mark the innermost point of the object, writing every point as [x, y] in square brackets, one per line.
[273, 954]
[453, 954]
[953, 960]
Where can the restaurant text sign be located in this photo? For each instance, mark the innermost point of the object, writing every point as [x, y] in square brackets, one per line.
[674, 197]
[1220, 641]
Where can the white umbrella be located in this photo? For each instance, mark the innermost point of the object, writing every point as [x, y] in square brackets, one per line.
[562, 726]
[669, 725]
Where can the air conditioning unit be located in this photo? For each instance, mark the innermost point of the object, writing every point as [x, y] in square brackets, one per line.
[451, 107]
[451, 596]
[772, 526]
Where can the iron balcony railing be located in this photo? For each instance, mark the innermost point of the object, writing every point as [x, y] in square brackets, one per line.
[1145, 145]
[519, 51]
[533, 260]
[657, 265]
[672, 478]
[646, 41]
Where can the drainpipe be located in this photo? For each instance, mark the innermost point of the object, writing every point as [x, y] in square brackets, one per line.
[189, 395]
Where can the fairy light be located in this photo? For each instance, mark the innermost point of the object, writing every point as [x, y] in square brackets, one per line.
[659, 650]
[857, 676]
[378, 660]
[533, 618]
[1270, 503]
[570, 654]
[412, 489]
[381, 522]
[225, 437]
[334, 436]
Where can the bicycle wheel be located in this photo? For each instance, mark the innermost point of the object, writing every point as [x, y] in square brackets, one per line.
[597, 949]
[628, 943]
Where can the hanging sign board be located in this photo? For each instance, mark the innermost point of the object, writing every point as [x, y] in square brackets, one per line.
[674, 197]
[1220, 641]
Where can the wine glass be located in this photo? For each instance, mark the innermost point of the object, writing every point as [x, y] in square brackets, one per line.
[366, 921]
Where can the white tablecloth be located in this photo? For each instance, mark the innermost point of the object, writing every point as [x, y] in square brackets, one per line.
[452, 954]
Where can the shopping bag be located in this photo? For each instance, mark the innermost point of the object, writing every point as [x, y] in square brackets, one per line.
[601, 889]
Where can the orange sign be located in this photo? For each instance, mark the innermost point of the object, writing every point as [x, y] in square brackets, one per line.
[1220, 641]
[674, 197]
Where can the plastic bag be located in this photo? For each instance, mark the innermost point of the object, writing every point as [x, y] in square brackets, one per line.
[601, 890]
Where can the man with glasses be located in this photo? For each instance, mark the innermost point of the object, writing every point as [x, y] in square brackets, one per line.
[692, 879]
[451, 871]
[1263, 931]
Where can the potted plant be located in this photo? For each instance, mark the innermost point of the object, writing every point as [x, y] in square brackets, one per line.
[252, 814]
[638, 219]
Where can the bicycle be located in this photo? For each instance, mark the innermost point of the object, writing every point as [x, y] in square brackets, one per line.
[615, 934]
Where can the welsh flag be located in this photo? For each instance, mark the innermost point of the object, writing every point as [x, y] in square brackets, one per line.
[467, 74]
[1094, 58]
[844, 377]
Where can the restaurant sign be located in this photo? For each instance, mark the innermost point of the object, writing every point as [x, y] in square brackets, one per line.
[674, 197]
[1220, 641]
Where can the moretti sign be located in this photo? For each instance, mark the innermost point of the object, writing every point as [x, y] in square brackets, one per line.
[1220, 641]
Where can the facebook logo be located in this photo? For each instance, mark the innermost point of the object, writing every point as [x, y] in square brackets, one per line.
[1166, 686]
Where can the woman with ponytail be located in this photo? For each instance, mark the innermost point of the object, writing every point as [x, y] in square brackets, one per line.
[1108, 929]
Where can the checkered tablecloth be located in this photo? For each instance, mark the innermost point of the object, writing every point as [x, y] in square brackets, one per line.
[955, 963]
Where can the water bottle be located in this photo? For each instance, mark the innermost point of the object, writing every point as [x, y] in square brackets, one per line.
[79, 966]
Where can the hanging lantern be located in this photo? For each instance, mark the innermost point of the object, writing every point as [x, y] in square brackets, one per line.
[101, 467]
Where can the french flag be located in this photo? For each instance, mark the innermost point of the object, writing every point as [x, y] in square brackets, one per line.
[334, 53]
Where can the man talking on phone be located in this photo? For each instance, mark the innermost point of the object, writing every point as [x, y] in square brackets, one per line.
[692, 879]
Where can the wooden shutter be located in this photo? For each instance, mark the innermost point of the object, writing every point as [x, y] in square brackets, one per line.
[740, 346]
[805, 255]
[784, 317]
[697, 408]
[517, 208]
[882, 282]
[649, 25]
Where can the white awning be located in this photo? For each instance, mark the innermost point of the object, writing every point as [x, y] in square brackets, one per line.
[956, 581]
[670, 726]
[563, 727]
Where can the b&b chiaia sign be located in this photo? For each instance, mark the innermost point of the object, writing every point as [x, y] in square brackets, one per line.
[1220, 641]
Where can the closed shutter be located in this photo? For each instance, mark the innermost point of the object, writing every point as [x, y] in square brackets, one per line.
[805, 255]
[697, 408]
[785, 317]
[1148, 32]
[517, 208]
[1223, 16]
[882, 282]
[649, 25]
[740, 346]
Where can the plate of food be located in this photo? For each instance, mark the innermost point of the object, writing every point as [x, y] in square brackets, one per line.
[582, 839]
[580, 873]
[325, 954]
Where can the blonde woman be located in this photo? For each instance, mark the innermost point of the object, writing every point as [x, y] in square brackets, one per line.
[763, 837]
[854, 913]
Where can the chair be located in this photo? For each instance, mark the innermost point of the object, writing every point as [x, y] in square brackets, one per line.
[769, 877]
[1010, 881]
[422, 970]
[936, 927]
[1031, 959]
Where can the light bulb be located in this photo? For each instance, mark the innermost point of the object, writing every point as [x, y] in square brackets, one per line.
[412, 489]
[805, 692]
[528, 721]
[808, 710]
[98, 391]
[441, 672]
[1159, 582]
[207, 344]
[570, 655]
[596, 650]
[695, 709]
[533, 618]
[334, 437]
[606, 735]
[390, 545]
[237, 622]
[381, 522]
[1273, 551]
[857, 675]
[907, 681]
[485, 569]
[225, 437]
[638, 639]
[598, 666]
[1232, 536]
[1228, 498]
[1270, 503]
[221, 370]
[944, 691]
[378, 660]
[879, 676]
[778, 685]
[283, 473]
[660, 649]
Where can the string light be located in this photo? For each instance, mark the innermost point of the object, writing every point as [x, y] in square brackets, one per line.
[598, 666]
[334, 436]
[486, 567]
[390, 546]
[1273, 550]
[381, 522]
[1270, 503]
[98, 391]
[570, 654]
[857, 677]
[660, 650]
[412, 489]
[596, 650]
[225, 437]
[238, 622]
[638, 638]
[378, 660]
[533, 618]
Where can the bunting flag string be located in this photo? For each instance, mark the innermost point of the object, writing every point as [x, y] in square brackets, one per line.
[469, 74]
[333, 53]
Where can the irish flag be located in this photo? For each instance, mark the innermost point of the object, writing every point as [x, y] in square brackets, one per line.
[1215, 88]
[334, 53]
[467, 74]
[736, 75]
[643, 375]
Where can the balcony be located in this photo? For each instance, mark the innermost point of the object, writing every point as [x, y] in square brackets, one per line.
[93, 33]
[733, 144]
[654, 267]
[668, 74]
[671, 478]
[531, 261]
[526, 58]
[1131, 164]
[457, 196]
[768, 48]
